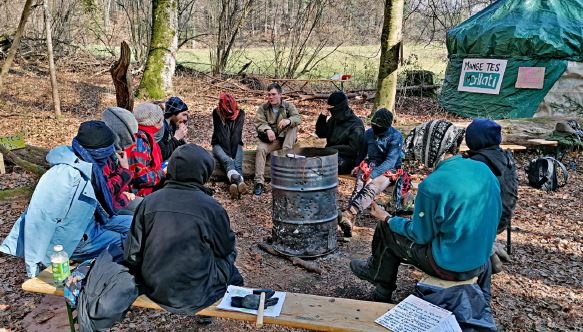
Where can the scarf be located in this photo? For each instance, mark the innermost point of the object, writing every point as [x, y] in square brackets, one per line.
[429, 141]
[156, 152]
[98, 158]
[228, 108]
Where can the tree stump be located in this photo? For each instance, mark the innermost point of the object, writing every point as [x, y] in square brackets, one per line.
[122, 79]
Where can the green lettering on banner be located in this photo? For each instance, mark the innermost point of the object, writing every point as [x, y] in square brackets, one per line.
[12, 142]
[481, 80]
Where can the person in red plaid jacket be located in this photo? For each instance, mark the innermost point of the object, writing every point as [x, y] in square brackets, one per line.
[145, 157]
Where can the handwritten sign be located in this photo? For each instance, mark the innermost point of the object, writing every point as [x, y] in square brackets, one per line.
[12, 142]
[530, 78]
[482, 75]
[416, 315]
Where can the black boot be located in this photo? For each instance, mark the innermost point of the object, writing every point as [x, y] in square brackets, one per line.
[364, 269]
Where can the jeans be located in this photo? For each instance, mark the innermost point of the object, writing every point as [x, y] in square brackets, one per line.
[364, 194]
[97, 237]
[264, 149]
[389, 249]
[228, 163]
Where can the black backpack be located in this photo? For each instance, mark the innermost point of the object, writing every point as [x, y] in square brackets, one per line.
[543, 173]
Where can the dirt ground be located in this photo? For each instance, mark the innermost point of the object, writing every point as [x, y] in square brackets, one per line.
[540, 289]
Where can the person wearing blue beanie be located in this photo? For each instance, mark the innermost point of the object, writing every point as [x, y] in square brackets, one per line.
[483, 137]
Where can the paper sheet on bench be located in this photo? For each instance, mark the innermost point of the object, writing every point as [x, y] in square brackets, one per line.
[416, 315]
[273, 311]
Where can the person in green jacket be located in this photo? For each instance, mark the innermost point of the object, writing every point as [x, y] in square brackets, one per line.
[453, 227]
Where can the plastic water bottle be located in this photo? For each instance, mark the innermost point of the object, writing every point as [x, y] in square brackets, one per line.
[60, 265]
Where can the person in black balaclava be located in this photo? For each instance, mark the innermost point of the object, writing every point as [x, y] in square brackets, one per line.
[343, 131]
[181, 245]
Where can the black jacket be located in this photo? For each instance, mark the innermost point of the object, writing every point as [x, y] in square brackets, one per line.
[168, 143]
[502, 164]
[343, 131]
[109, 292]
[180, 243]
[228, 135]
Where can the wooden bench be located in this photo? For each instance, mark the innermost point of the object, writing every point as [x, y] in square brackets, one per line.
[302, 311]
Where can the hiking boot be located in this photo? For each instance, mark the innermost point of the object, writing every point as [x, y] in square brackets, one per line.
[242, 188]
[234, 191]
[496, 264]
[345, 223]
[382, 294]
[363, 269]
[259, 189]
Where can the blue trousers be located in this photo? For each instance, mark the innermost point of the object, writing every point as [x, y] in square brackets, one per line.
[97, 237]
[228, 163]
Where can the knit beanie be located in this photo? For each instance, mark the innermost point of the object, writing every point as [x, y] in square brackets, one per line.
[336, 98]
[148, 114]
[123, 124]
[483, 133]
[173, 106]
[95, 135]
[382, 118]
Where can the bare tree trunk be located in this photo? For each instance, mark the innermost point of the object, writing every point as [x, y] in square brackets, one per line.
[52, 70]
[161, 64]
[391, 43]
[16, 41]
[122, 79]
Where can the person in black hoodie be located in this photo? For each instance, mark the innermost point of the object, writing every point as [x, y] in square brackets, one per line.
[483, 137]
[343, 131]
[227, 141]
[181, 246]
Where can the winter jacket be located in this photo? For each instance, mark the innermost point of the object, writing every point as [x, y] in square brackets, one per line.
[144, 176]
[181, 244]
[169, 143]
[457, 209]
[118, 180]
[343, 132]
[266, 118]
[109, 291]
[228, 135]
[60, 210]
[502, 164]
[384, 151]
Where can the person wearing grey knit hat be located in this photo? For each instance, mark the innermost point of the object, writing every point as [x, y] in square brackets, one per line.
[145, 157]
[149, 115]
[123, 124]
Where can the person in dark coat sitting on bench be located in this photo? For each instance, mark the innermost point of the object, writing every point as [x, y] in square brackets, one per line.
[227, 142]
[453, 227]
[343, 131]
[180, 244]
[483, 137]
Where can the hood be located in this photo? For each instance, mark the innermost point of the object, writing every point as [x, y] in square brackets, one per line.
[190, 163]
[483, 133]
[65, 155]
[497, 160]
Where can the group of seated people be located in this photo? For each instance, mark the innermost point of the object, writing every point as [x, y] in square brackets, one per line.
[112, 186]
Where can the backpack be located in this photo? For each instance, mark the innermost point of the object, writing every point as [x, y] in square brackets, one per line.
[542, 174]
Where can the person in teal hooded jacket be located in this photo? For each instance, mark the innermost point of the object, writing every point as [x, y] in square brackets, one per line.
[453, 227]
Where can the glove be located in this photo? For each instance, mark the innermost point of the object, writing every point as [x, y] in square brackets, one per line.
[251, 301]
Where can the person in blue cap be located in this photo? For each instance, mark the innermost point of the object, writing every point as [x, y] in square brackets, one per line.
[175, 129]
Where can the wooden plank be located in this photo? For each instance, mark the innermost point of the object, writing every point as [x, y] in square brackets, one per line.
[542, 142]
[511, 147]
[303, 311]
[2, 167]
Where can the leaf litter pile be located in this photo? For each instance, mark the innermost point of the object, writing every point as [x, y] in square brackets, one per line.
[540, 289]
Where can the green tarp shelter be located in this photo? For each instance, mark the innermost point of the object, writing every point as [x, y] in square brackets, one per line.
[519, 33]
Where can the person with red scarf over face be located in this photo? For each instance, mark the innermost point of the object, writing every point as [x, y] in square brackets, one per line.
[227, 141]
[145, 156]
